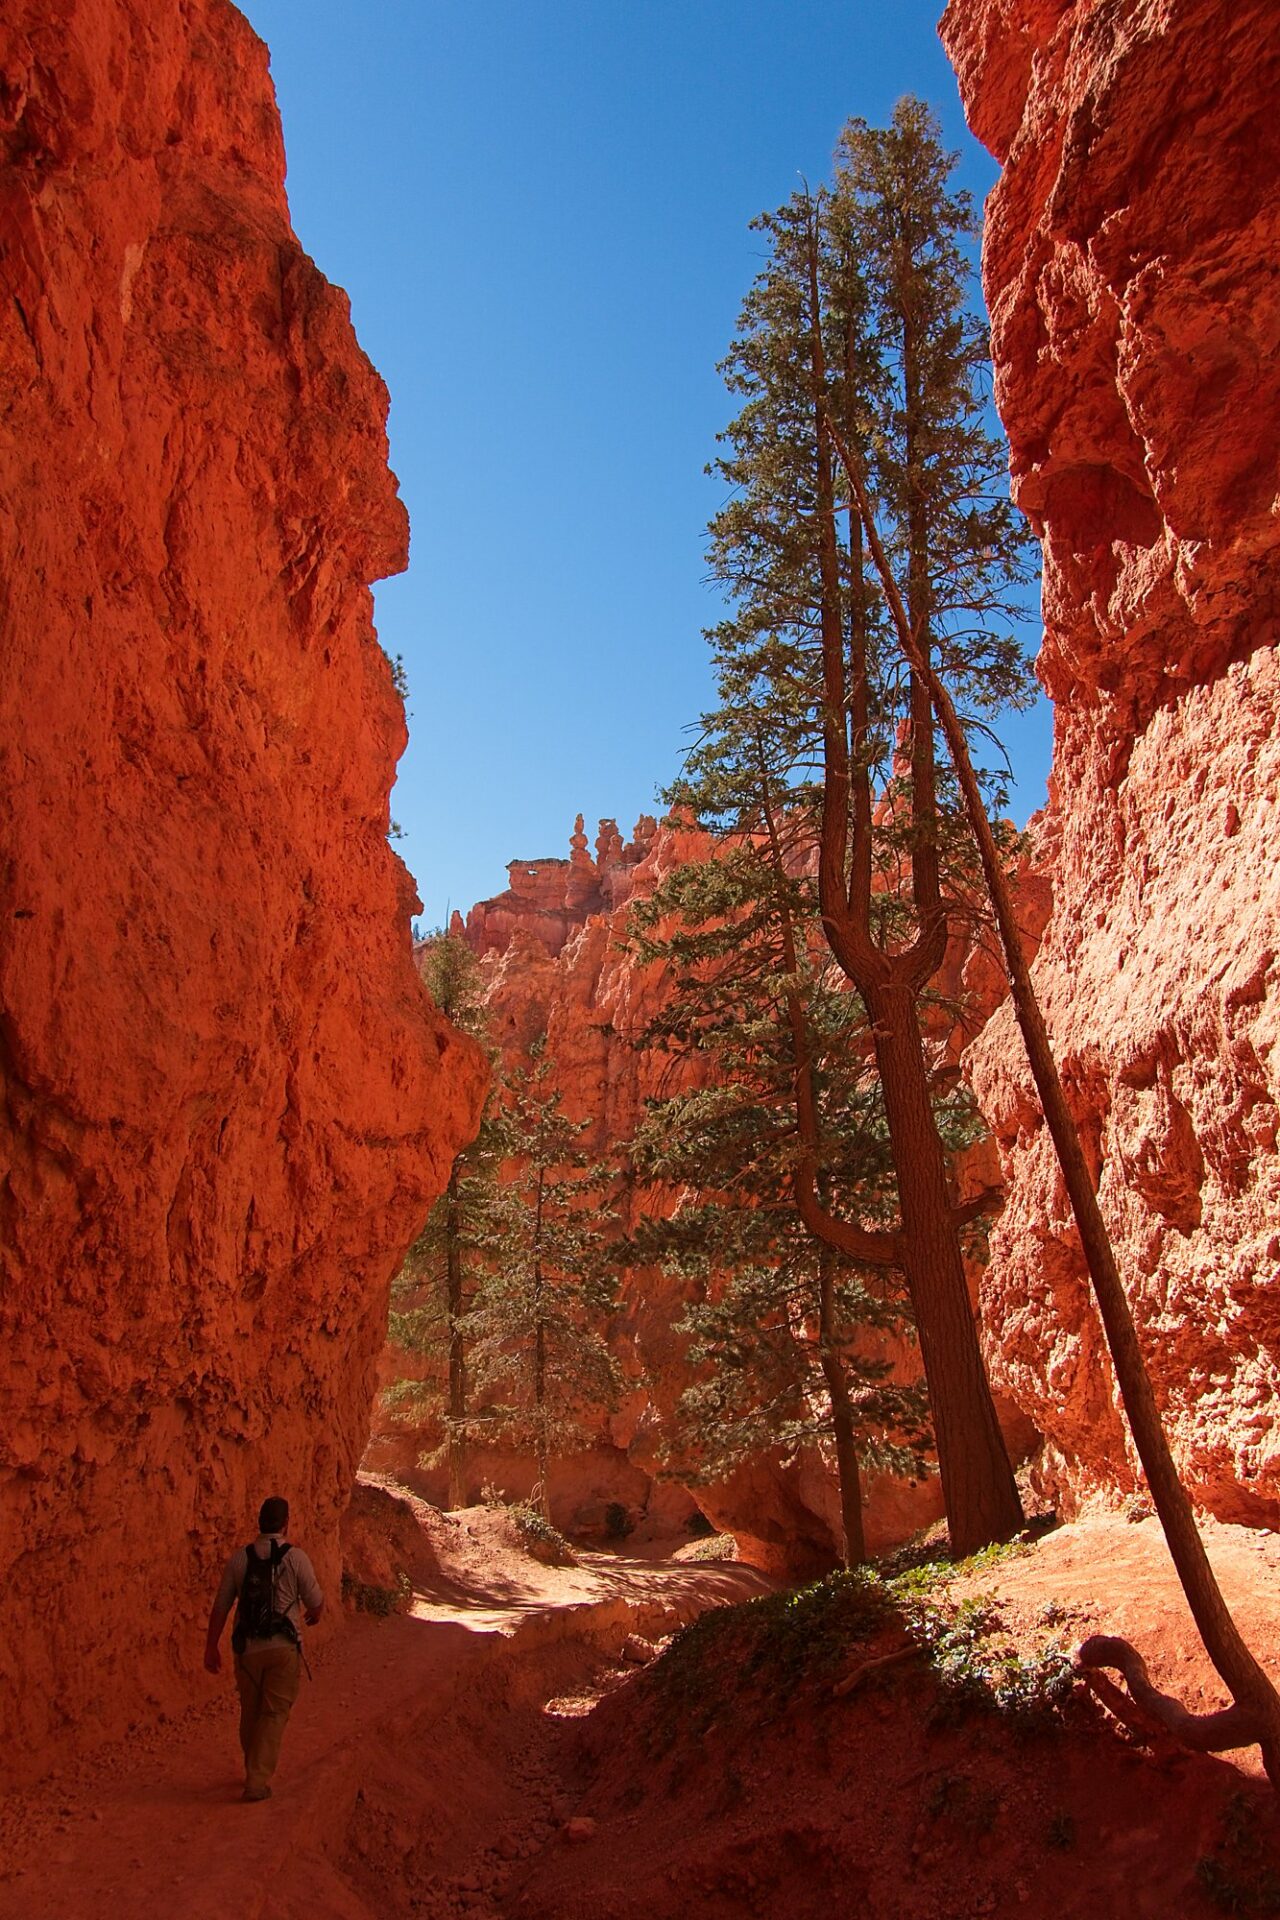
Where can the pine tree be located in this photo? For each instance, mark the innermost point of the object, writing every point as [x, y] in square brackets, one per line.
[466, 1231]
[780, 1325]
[1254, 1715]
[541, 1314]
[857, 323]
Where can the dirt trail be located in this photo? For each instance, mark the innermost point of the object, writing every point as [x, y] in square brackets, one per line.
[486, 1755]
[404, 1720]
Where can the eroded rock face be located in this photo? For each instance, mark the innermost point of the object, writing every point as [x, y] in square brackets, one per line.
[1130, 268]
[226, 1104]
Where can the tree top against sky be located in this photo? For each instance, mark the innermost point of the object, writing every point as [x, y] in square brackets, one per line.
[541, 210]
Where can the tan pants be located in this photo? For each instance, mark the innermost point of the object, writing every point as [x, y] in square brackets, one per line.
[268, 1679]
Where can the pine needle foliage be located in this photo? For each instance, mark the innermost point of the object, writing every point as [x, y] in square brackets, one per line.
[466, 1234]
[787, 1337]
[857, 337]
[539, 1325]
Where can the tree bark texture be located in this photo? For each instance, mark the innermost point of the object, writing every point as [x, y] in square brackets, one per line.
[978, 1487]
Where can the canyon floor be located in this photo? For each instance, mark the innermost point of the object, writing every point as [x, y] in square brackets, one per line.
[490, 1753]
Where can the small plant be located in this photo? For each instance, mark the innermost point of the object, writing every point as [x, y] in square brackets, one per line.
[1240, 1876]
[399, 673]
[537, 1535]
[617, 1521]
[1026, 1688]
[1062, 1831]
[379, 1601]
[715, 1546]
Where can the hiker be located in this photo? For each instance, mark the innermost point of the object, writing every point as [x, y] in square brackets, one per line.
[273, 1584]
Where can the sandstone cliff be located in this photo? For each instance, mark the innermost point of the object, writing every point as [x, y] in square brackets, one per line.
[1130, 272]
[226, 1104]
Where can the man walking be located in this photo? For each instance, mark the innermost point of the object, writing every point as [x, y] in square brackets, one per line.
[274, 1586]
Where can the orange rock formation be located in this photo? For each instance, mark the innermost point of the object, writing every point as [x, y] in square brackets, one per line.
[1129, 268]
[226, 1105]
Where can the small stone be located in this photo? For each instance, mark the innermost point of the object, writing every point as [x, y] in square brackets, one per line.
[578, 1829]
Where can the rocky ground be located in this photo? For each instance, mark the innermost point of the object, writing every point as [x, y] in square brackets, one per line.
[491, 1752]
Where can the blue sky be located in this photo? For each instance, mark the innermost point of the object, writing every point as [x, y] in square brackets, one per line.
[540, 211]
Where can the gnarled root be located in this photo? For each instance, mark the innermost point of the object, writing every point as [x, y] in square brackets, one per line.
[854, 1678]
[1153, 1715]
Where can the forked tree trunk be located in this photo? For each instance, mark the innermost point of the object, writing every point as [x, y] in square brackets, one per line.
[978, 1487]
[848, 1471]
[1250, 1686]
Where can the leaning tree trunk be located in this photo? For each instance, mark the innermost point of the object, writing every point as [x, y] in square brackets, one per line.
[978, 1487]
[1250, 1687]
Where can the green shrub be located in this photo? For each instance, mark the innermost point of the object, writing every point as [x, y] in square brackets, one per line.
[617, 1521]
[379, 1601]
[537, 1535]
[1240, 1876]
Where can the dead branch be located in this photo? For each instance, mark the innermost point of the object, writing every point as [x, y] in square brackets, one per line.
[856, 1675]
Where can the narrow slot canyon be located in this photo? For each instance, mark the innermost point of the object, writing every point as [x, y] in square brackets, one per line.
[715, 1475]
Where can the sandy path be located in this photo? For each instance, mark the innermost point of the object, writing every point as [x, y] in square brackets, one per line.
[158, 1826]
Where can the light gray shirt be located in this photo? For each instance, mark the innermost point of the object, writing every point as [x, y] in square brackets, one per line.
[296, 1587]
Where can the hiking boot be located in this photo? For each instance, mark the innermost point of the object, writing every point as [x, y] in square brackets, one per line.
[256, 1793]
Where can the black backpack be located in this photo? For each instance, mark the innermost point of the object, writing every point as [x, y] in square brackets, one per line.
[256, 1617]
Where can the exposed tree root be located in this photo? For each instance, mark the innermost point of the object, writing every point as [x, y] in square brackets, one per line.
[856, 1675]
[1148, 1712]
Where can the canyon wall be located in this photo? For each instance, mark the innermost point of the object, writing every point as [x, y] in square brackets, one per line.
[1130, 263]
[226, 1104]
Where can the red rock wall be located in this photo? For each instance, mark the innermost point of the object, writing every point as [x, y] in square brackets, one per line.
[226, 1104]
[1131, 271]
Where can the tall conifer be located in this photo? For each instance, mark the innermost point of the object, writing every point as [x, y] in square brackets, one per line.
[858, 317]
[783, 1329]
[466, 1230]
[540, 1320]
